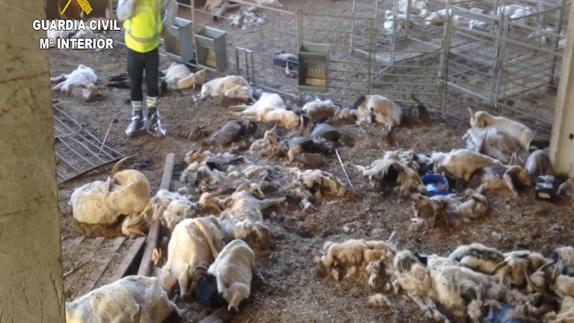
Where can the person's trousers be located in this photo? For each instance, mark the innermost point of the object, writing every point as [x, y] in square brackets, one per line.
[137, 64]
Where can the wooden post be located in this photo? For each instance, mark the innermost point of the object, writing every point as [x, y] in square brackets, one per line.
[145, 268]
[31, 283]
[562, 140]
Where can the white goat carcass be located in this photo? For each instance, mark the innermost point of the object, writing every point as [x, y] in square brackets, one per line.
[130, 299]
[170, 208]
[234, 269]
[477, 256]
[313, 184]
[230, 87]
[377, 108]
[244, 218]
[352, 255]
[179, 77]
[80, 82]
[497, 144]
[517, 265]
[126, 193]
[460, 163]
[390, 172]
[270, 109]
[483, 119]
[321, 110]
[499, 177]
[194, 244]
[450, 208]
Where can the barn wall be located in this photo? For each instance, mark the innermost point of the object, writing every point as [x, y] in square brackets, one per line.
[31, 286]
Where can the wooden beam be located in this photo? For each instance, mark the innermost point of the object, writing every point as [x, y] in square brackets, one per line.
[145, 268]
[99, 271]
[128, 259]
[562, 139]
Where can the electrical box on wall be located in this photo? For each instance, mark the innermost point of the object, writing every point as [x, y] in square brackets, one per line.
[212, 48]
[313, 67]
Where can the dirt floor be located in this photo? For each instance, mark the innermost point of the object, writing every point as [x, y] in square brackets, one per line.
[292, 293]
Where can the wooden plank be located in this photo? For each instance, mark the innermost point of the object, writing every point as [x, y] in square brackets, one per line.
[98, 272]
[145, 268]
[128, 259]
[220, 315]
[167, 171]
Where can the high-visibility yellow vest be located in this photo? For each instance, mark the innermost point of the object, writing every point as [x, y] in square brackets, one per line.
[143, 28]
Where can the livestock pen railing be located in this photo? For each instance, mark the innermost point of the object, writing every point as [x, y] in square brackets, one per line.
[487, 56]
[507, 60]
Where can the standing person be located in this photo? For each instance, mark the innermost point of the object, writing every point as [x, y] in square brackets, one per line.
[143, 28]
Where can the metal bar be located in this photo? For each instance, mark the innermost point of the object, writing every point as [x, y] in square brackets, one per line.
[468, 91]
[237, 71]
[91, 169]
[69, 164]
[87, 161]
[80, 127]
[101, 146]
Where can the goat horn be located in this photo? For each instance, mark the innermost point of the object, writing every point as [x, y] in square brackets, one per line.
[533, 285]
[120, 162]
[498, 266]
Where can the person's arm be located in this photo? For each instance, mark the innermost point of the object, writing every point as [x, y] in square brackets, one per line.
[125, 9]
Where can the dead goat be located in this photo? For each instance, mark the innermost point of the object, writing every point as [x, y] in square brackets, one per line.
[450, 208]
[269, 109]
[243, 218]
[191, 246]
[483, 119]
[169, 208]
[313, 184]
[230, 87]
[307, 151]
[460, 290]
[229, 277]
[269, 146]
[497, 177]
[179, 77]
[379, 109]
[80, 82]
[352, 255]
[231, 132]
[122, 301]
[517, 265]
[477, 257]
[497, 144]
[325, 110]
[206, 169]
[126, 193]
[389, 172]
[327, 132]
[460, 163]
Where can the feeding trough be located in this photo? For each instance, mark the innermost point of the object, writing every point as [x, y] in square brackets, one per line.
[313, 61]
[211, 48]
[435, 184]
[178, 41]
